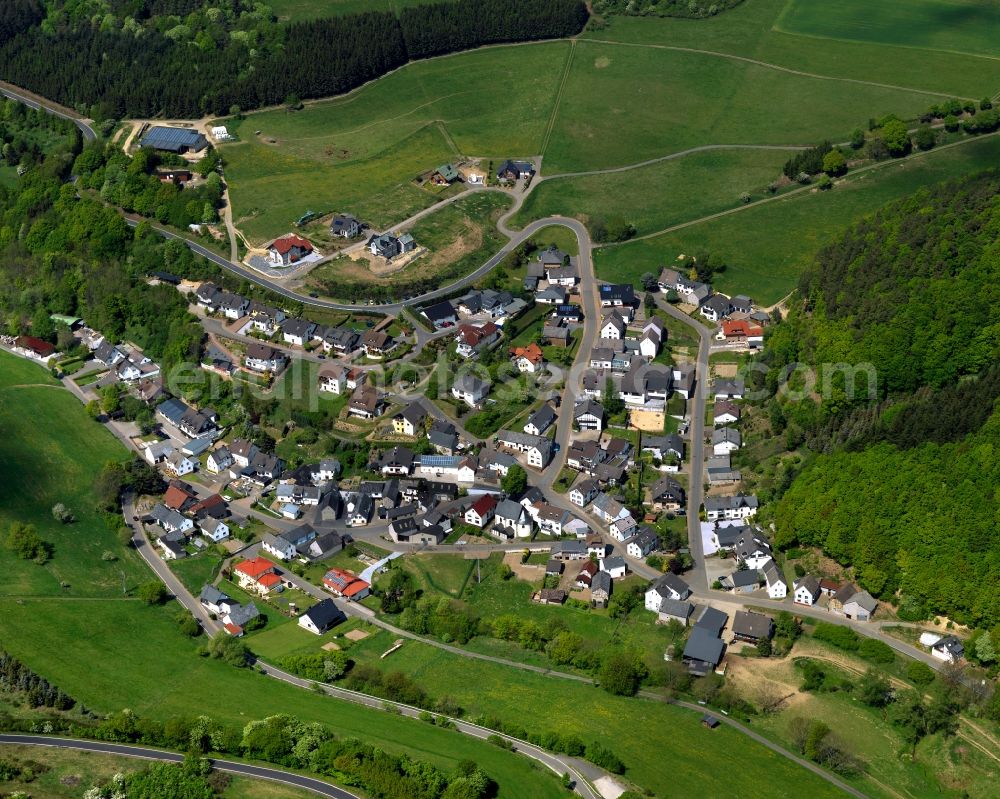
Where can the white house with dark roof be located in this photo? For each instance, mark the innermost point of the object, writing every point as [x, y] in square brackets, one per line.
[669, 586]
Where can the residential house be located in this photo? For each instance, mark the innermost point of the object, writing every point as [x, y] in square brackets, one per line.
[540, 421]
[388, 246]
[674, 610]
[551, 519]
[752, 627]
[297, 331]
[725, 412]
[621, 295]
[231, 306]
[215, 530]
[806, 590]
[743, 582]
[410, 421]
[482, 511]
[664, 447]
[669, 586]
[157, 451]
[258, 575]
[642, 543]
[741, 331]
[726, 440]
[470, 389]
[563, 275]
[285, 545]
[550, 596]
[528, 359]
[586, 574]
[509, 171]
[683, 377]
[567, 314]
[613, 327]
[172, 549]
[589, 415]
[472, 339]
[345, 226]
[171, 521]
[652, 338]
[398, 461]
[342, 340]
[180, 464]
[108, 354]
[377, 344]
[583, 493]
[444, 175]
[777, 588]
[600, 589]
[609, 509]
[366, 403]
[551, 295]
[716, 307]
[262, 358]
[360, 508]
[322, 617]
[288, 250]
[441, 314]
[667, 494]
[197, 423]
[265, 318]
[332, 378]
[343, 583]
[615, 567]
[723, 389]
[948, 649]
[738, 506]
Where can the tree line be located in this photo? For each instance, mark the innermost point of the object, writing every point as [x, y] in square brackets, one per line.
[116, 73]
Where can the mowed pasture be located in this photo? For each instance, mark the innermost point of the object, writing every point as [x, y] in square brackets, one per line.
[136, 657]
[361, 153]
[51, 452]
[752, 30]
[962, 26]
[661, 194]
[767, 246]
[665, 748]
[624, 104]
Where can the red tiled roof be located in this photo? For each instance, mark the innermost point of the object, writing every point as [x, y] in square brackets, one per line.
[176, 497]
[233, 629]
[532, 352]
[484, 504]
[473, 334]
[254, 568]
[741, 327]
[208, 502]
[269, 580]
[355, 588]
[285, 243]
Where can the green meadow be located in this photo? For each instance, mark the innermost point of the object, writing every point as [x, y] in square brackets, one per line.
[659, 195]
[361, 153]
[753, 30]
[50, 452]
[960, 26]
[768, 245]
[298, 10]
[609, 116]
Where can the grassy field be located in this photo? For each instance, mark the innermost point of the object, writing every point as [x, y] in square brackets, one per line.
[360, 153]
[768, 246]
[56, 461]
[957, 26]
[607, 117]
[562, 237]
[68, 773]
[753, 30]
[656, 196]
[676, 756]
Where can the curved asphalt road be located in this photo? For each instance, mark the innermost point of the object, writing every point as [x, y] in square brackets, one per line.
[83, 124]
[145, 753]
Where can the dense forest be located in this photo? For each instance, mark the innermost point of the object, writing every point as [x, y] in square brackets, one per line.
[904, 486]
[213, 62]
[920, 521]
